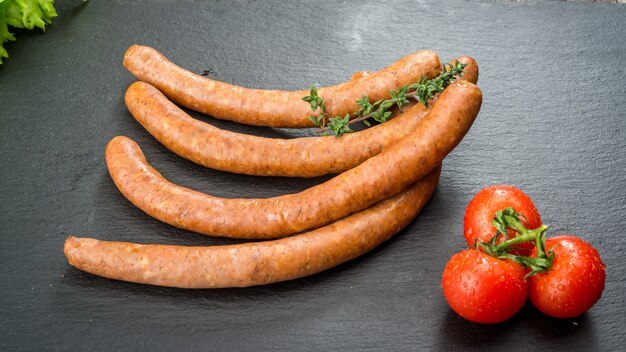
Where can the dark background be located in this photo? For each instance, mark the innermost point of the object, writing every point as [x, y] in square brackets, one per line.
[552, 123]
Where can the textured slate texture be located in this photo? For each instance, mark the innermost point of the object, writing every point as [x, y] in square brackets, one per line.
[552, 123]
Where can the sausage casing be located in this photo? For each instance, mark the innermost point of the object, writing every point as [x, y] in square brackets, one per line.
[229, 151]
[273, 108]
[378, 178]
[255, 263]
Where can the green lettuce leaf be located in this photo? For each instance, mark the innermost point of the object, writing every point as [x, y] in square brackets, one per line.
[23, 14]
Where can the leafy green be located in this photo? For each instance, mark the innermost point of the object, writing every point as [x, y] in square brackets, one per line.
[23, 14]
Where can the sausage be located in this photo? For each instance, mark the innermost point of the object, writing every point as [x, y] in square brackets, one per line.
[255, 263]
[359, 75]
[271, 107]
[378, 178]
[212, 147]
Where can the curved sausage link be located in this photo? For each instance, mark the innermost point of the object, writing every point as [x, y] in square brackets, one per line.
[215, 148]
[256, 263]
[271, 107]
[378, 178]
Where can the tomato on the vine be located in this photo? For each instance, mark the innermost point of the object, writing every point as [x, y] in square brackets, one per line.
[511, 260]
[481, 209]
[573, 283]
[482, 288]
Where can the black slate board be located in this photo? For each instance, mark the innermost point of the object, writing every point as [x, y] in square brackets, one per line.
[552, 123]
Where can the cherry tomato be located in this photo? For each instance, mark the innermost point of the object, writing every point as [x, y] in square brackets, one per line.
[482, 208]
[575, 281]
[482, 288]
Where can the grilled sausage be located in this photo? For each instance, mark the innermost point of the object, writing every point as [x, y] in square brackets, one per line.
[271, 107]
[212, 147]
[378, 178]
[256, 263]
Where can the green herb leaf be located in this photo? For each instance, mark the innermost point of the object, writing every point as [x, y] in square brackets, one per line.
[386, 104]
[364, 101]
[315, 120]
[365, 106]
[425, 88]
[316, 102]
[339, 125]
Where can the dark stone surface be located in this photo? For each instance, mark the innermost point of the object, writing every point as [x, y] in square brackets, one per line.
[552, 123]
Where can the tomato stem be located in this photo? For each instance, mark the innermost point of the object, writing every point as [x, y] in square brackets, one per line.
[525, 235]
[510, 219]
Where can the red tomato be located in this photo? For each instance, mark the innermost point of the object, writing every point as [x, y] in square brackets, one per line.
[483, 207]
[482, 288]
[573, 284]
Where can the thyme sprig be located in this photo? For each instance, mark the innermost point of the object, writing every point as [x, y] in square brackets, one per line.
[422, 91]
[316, 101]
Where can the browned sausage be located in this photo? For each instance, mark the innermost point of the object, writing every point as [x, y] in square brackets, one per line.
[212, 147]
[256, 263]
[378, 178]
[360, 74]
[271, 107]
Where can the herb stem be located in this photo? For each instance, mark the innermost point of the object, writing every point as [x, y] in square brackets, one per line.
[412, 95]
[353, 121]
